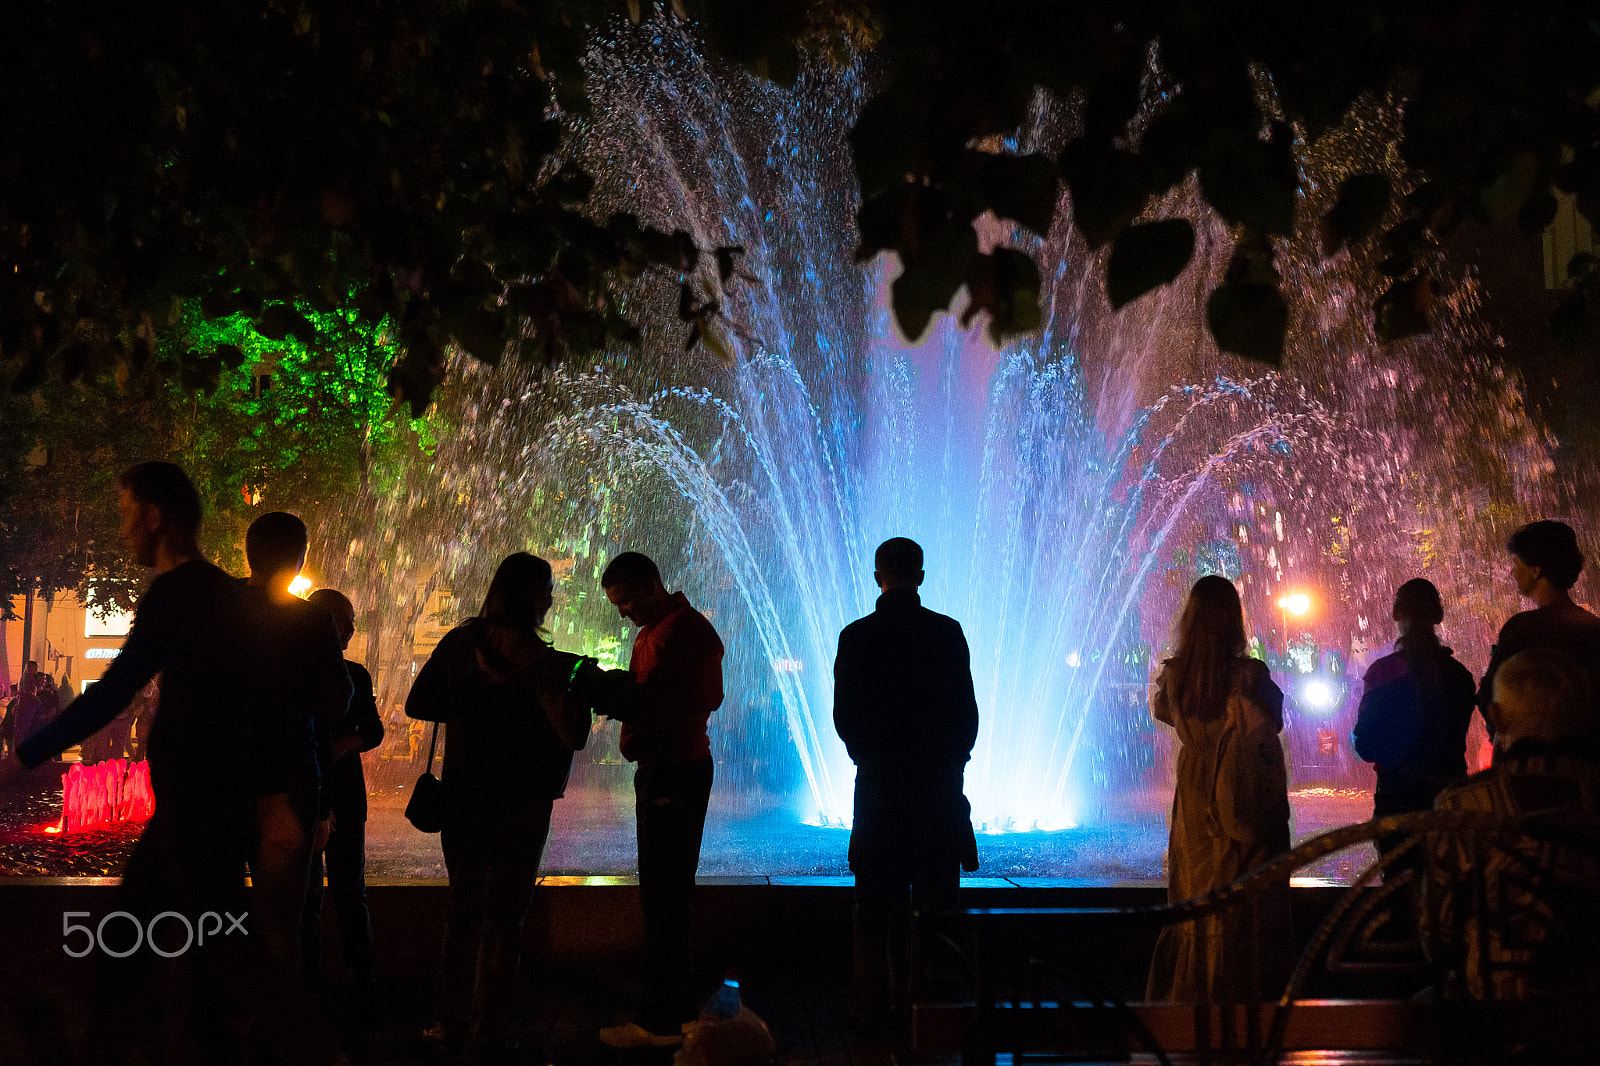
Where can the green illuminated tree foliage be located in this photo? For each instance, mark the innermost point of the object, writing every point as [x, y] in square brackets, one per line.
[259, 424]
[403, 158]
[394, 158]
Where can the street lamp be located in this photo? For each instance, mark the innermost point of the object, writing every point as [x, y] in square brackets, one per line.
[1297, 604]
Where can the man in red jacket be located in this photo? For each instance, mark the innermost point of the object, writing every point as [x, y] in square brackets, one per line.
[663, 700]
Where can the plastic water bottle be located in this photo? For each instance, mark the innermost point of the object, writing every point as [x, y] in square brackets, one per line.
[724, 1004]
[727, 1034]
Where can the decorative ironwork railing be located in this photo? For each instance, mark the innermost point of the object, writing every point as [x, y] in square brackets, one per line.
[1499, 918]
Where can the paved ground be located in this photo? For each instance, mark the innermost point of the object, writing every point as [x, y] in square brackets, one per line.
[562, 1008]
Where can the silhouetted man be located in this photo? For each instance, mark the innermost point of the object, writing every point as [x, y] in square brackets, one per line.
[1542, 936]
[904, 706]
[304, 687]
[358, 730]
[663, 700]
[194, 627]
[1545, 564]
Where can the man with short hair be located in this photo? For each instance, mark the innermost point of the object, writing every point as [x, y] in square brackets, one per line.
[305, 688]
[1541, 937]
[1545, 564]
[904, 705]
[663, 700]
[194, 627]
[358, 730]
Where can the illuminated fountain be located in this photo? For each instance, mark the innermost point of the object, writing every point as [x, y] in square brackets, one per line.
[115, 790]
[1067, 490]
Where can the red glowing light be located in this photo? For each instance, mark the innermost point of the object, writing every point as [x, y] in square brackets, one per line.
[111, 791]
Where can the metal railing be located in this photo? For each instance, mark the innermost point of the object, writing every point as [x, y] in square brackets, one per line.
[1516, 917]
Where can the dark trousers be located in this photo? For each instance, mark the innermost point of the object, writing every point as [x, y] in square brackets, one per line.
[189, 860]
[887, 890]
[344, 863]
[279, 871]
[670, 803]
[493, 866]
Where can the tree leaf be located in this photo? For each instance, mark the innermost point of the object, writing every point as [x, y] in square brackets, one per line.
[1109, 188]
[1146, 257]
[887, 142]
[482, 335]
[929, 283]
[1360, 208]
[1021, 188]
[1251, 182]
[1005, 283]
[1405, 309]
[1248, 319]
[880, 219]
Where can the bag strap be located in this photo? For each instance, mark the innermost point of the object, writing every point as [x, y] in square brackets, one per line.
[431, 744]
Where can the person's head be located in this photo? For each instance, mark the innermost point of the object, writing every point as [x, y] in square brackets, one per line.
[157, 504]
[275, 547]
[897, 564]
[520, 594]
[343, 611]
[1209, 638]
[1417, 608]
[633, 585]
[1539, 694]
[1545, 552]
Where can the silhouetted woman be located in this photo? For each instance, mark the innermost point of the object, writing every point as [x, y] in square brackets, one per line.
[1416, 705]
[493, 680]
[1230, 809]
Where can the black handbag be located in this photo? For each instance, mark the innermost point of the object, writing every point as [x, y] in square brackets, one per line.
[426, 809]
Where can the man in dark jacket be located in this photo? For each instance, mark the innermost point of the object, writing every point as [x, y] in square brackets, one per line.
[1534, 893]
[359, 730]
[1545, 563]
[663, 700]
[904, 706]
[196, 627]
[304, 687]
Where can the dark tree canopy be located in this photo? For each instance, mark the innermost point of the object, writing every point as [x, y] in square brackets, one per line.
[1501, 108]
[402, 158]
[395, 156]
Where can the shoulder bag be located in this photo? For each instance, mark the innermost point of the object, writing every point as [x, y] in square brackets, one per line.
[426, 809]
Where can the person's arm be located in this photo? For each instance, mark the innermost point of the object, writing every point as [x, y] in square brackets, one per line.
[847, 702]
[1505, 646]
[1160, 699]
[143, 655]
[429, 698]
[1270, 695]
[687, 678]
[964, 699]
[364, 710]
[1363, 733]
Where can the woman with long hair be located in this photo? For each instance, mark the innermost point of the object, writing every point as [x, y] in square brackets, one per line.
[1230, 808]
[496, 682]
[1416, 706]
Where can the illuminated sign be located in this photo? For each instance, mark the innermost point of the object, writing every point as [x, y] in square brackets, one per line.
[101, 653]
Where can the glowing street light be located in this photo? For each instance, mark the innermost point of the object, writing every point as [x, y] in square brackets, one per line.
[300, 586]
[1318, 693]
[1296, 603]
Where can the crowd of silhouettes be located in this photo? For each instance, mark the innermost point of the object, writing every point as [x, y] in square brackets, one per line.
[255, 761]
